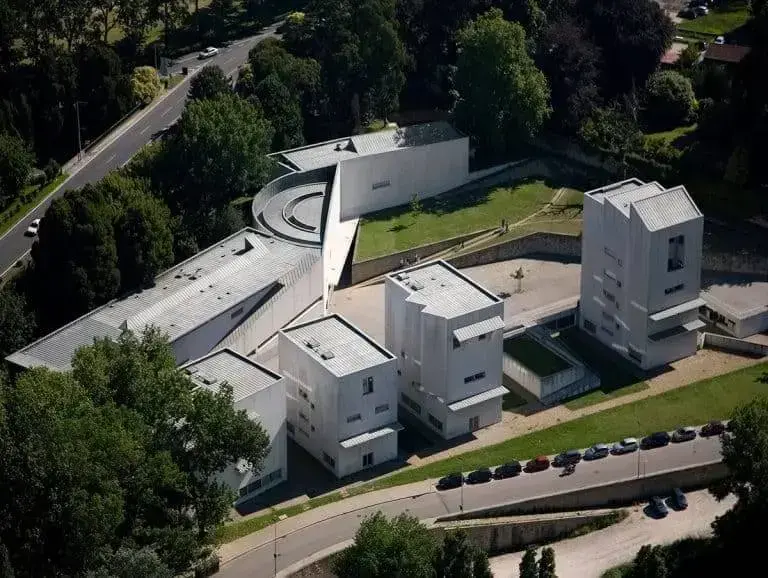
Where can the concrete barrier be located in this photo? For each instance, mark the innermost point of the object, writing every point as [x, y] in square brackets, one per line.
[612, 495]
[733, 344]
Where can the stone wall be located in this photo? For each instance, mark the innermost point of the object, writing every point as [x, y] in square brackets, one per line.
[733, 344]
[555, 244]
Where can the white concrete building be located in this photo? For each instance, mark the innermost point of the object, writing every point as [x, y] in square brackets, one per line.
[447, 332]
[341, 394]
[261, 393]
[236, 293]
[641, 271]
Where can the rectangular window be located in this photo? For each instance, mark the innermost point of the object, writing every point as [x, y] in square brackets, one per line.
[367, 385]
[303, 417]
[634, 354]
[380, 185]
[290, 427]
[480, 375]
[303, 394]
[589, 326]
[435, 423]
[607, 316]
[237, 312]
[329, 460]
[303, 431]
[609, 296]
[382, 408]
[354, 418]
[675, 289]
[410, 404]
[253, 486]
[273, 476]
[676, 254]
[469, 379]
[368, 460]
[608, 252]
[483, 336]
[608, 331]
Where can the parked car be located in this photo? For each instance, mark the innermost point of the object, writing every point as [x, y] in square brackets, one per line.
[658, 507]
[209, 52]
[720, 40]
[454, 480]
[508, 470]
[625, 446]
[479, 476]
[695, 3]
[33, 228]
[569, 457]
[537, 464]
[700, 10]
[678, 499]
[687, 13]
[713, 428]
[597, 451]
[658, 439]
[684, 434]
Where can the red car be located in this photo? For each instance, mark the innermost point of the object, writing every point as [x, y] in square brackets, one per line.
[537, 464]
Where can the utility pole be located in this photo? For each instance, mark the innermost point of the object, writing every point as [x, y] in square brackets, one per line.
[275, 555]
[79, 138]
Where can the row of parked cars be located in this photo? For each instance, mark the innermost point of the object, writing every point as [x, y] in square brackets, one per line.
[572, 457]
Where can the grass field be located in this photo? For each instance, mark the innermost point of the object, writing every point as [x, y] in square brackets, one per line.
[449, 215]
[18, 209]
[534, 356]
[714, 398]
[720, 20]
[672, 136]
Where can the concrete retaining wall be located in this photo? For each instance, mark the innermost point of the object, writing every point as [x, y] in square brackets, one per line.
[734, 344]
[556, 244]
[604, 495]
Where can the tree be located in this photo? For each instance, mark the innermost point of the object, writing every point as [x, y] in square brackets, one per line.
[612, 130]
[503, 97]
[145, 84]
[16, 161]
[110, 465]
[669, 100]
[17, 324]
[210, 82]
[218, 154]
[384, 548]
[547, 563]
[283, 110]
[528, 564]
[649, 563]
[459, 558]
[688, 58]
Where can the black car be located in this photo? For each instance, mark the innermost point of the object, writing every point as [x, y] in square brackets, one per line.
[566, 458]
[678, 499]
[508, 470]
[480, 476]
[656, 440]
[713, 428]
[454, 480]
[658, 507]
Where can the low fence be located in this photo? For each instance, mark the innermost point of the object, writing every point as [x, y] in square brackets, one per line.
[733, 344]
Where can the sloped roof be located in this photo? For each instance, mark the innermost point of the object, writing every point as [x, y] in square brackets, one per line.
[668, 208]
[728, 53]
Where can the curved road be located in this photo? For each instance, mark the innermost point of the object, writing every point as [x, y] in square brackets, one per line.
[14, 245]
[297, 544]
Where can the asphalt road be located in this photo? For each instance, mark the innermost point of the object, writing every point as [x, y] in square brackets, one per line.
[14, 244]
[296, 545]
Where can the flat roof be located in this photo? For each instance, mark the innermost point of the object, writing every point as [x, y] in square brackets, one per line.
[184, 297]
[337, 344]
[656, 206]
[737, 295]
[443, 289]
[329, 153]
[226, 366]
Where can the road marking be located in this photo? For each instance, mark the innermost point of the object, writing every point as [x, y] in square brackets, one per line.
[110, 159]
[166, 111]
[145, 129]
[24, 254]
[228, 60]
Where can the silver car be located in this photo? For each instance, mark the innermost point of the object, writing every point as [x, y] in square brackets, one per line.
[684, 434]
[625, 446]
[597, 451]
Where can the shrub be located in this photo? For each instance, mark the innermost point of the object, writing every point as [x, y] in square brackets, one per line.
[669, 100]
[52, 170]
[146, 84]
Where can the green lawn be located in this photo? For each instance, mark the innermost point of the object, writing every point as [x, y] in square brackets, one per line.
[617, 376]
[670, 136]
[697, 403]
[18, 209]
[448, 215]
[720, 20]
[534, 356]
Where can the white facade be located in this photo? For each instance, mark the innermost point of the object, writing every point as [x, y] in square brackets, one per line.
[261, 393]
[341, 393]
[641, 271]
[447, 332]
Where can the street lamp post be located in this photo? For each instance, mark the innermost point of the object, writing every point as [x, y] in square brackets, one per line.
[79, 138]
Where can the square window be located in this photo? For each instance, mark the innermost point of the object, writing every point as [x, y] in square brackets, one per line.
[368, 460]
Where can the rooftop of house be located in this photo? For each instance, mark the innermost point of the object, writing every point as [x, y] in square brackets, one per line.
[211, 283]
[245, 376]
[656, 206]
[331, 152]
[337, 344]
[442, 289]
[727, 53]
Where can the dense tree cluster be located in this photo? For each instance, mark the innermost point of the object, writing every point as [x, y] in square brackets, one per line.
[402, 546]
[107, 470]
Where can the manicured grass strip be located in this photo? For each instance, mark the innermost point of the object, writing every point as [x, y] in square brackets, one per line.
[671, 136]
[698, 403]
[694, 404]
[448, 215]
[720, 20]
[599, 396]
[18, 209]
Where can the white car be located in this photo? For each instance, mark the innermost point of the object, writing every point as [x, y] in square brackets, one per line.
[34, 226]
[209, 52]
[701, 10]
[720, 40]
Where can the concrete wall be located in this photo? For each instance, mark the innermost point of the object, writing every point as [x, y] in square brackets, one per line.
[716, 341]
[566, 246]
[610, 495]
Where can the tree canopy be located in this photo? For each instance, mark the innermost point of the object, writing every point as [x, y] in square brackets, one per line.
[16, 161]
[669, 100]
[210, 82]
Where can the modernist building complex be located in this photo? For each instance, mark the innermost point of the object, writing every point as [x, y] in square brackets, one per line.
[447, 333]
[641, 271]
[261, 393]
[341, 394]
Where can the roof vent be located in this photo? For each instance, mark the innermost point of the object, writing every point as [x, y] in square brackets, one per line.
[192, 370]
[248, 244]
[312, 343]
[338, 146]
[193, 277]
[327, 355]
[416, 286]
[124, 325]
[177, 276]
